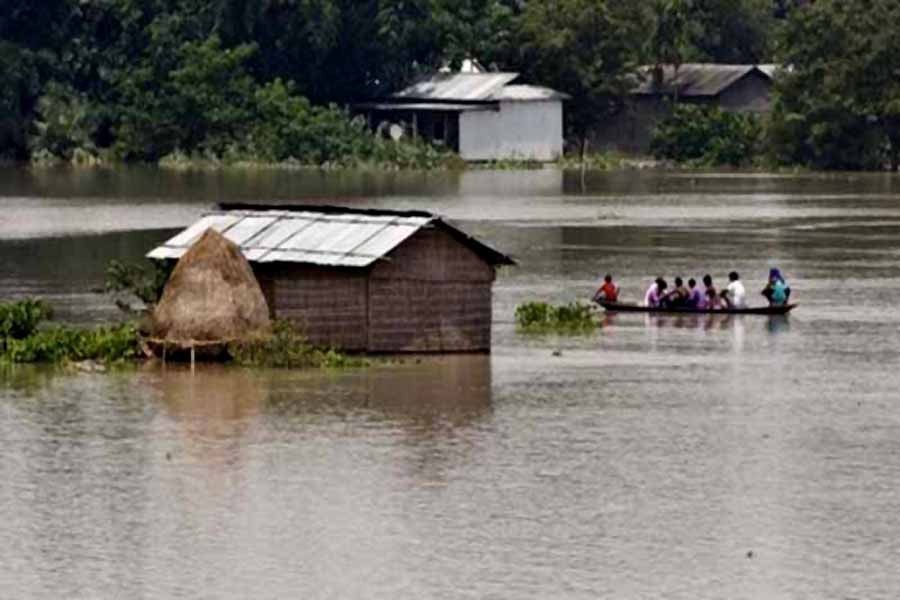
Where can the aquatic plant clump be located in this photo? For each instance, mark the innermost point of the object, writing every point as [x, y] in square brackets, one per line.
[287, 347]
[66, 344]
[20, 319]
[541, 317]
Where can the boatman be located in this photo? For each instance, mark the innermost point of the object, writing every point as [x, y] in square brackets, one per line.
[608, 292]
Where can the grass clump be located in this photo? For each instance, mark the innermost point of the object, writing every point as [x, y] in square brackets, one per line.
[541, 317]
[288, 348]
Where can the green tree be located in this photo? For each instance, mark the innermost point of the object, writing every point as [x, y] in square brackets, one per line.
[586, 48]
[837, 102]
[731, 31]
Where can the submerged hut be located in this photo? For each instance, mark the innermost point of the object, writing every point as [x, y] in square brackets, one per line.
[362, 280]
[212, 297]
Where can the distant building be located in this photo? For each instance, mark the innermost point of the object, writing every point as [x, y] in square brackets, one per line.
[362, 280]
[740, 88]
[480, 115]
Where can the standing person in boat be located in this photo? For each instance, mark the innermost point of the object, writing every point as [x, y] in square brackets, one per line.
[608, 291]
[735, 295]
[697, 299]
[655, 293]
[678, 297]
[713, 301]
[777, 291]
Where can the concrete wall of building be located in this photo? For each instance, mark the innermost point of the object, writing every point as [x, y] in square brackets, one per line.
[518, 130]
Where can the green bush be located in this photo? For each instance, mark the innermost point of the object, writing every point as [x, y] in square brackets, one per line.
[144, 280]
[20, 319]
[541, 317]
[707, 136]
[64, 127]
[286, 347]
[60, 344]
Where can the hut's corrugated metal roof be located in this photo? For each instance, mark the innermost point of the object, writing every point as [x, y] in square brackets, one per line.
[457, 87]
[319, 235]
[696, 79]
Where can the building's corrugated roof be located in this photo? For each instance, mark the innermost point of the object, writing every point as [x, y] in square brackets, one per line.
[457, 87]
[319, 235]
[528, 93]
[423, 106]
[695, 79]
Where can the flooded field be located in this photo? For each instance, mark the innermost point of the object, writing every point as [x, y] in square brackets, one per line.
[658, 458]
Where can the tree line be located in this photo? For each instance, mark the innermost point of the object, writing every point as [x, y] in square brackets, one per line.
[141, 80]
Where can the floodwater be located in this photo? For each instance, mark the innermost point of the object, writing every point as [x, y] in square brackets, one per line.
[657, 458]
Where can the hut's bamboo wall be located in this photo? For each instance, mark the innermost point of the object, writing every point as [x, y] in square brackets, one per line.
[433, 294]
[327, 304]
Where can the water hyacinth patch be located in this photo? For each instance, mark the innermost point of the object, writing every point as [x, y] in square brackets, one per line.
[542, 317]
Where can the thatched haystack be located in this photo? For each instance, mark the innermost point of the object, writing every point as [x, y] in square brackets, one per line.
[212, 297]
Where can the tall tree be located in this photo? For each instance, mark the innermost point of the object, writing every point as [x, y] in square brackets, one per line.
[587, 48]
[837, 101]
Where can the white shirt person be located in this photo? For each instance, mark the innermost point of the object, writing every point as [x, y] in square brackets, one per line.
[735, 294]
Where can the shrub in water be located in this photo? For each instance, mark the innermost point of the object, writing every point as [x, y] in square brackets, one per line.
[59, 344]
[289, 348]
[20, 319]
[146, 281]
[541, 317]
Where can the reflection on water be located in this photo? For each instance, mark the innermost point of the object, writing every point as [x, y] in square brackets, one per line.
[645, 460]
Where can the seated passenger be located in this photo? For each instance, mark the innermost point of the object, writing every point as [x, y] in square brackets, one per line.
[713, 301]
[697, 298]
[609, 291]
[655, 293]
[776, 291]
[735, 295]
[678, 297]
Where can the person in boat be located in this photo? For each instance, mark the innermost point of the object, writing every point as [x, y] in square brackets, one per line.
[608, 291]
[678, 297]
[776, 291]
[713, 300]
[735, 296]
[696, 299]
[655, 293]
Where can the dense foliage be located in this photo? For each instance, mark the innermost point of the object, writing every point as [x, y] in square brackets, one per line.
[541, 317]
[708, 136]
[270, 80]
[266, 81]
[838, 99]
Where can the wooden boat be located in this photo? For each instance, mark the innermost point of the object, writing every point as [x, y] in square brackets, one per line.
[683, 310]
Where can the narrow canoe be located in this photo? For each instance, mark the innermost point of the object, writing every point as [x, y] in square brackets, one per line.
[636, 308]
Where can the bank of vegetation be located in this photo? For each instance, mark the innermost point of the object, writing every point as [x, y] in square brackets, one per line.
[28, 335]
[190, 83]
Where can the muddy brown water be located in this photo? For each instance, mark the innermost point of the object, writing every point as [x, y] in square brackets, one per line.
[657, 458]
